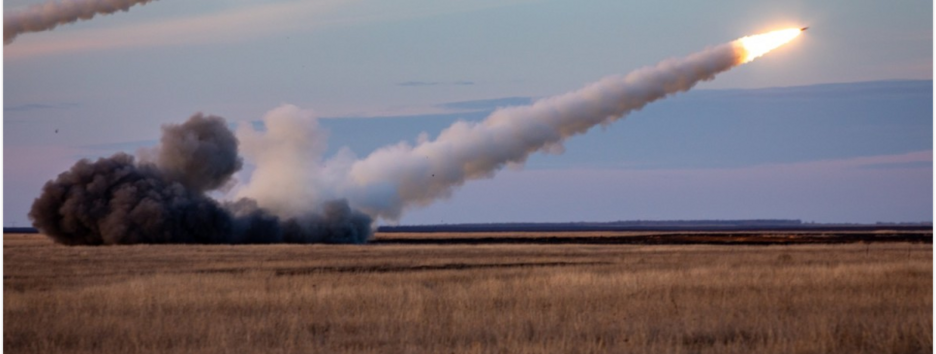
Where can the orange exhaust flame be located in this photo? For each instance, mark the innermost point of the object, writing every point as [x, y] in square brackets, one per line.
[757, 45]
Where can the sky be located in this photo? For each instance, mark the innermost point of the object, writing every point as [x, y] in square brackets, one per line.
[836, 126]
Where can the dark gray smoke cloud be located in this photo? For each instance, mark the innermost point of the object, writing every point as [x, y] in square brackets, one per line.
[120, 200]
[200, 153]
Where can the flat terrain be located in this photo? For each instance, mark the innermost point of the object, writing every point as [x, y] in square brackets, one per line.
[773, 237]
[468, 297]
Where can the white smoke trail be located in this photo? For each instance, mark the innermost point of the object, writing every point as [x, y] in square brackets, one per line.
[44, 17]
[401, 176]
[289, 155]
[395, 178]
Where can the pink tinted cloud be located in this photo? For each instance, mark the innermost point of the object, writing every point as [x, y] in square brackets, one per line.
[238, 24]
[862, 189]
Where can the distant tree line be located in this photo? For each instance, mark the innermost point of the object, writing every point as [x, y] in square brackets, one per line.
[651, 225]
[630, 225]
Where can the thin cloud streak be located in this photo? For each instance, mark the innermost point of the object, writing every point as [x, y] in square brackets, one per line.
[435, 83]
[236, 25]
[831, 190]
[39, 106]
[910, 160]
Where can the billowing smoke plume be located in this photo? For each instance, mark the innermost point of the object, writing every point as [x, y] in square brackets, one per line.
[161, 198]
[287, 154]
[394, 178]
[47, 16]
[296, 195]
[201, 154]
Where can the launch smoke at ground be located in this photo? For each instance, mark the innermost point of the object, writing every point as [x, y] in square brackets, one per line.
[160, 198]
[396, 178]
[47, 16]
[294, 194]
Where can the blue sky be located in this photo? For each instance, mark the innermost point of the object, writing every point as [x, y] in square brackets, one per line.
[380, 72]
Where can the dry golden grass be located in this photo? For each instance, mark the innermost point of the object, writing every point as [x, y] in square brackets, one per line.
[467, 299]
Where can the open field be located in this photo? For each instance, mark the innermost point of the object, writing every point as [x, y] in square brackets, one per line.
[468, 298]
[717, 237]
